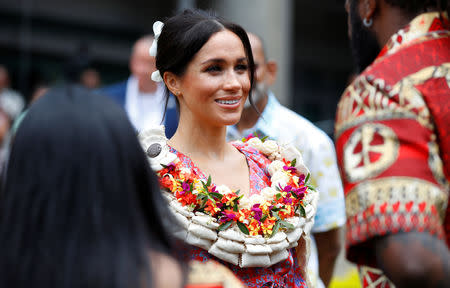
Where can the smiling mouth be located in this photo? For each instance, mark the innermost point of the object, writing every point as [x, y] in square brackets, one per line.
[228, 102]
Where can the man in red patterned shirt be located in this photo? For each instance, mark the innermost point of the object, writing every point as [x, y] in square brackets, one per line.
[393, 143]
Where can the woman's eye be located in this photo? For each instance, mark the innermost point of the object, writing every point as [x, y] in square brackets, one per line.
[241, 67]
[214, 68]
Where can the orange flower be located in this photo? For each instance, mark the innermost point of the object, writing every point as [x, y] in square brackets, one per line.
[211, 207]
[186, 198]
[267, 225]
[254, 227]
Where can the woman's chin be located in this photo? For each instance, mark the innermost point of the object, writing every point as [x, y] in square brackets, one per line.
[229, 121]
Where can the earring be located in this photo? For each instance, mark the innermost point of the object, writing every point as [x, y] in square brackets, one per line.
[367, 23]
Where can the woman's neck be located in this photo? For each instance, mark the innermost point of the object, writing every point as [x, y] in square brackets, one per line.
[199, 139]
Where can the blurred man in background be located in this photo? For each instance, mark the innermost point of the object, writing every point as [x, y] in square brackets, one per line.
[11, 102]
[393, 143]
[141, 97]
[281, 124]
[90, 78]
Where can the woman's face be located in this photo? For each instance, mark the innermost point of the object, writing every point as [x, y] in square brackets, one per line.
[216, 82]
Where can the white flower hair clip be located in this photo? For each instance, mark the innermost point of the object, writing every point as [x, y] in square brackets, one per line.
[157, 28]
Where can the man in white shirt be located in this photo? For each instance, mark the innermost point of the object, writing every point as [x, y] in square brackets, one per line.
[142, 98]
[285, 126]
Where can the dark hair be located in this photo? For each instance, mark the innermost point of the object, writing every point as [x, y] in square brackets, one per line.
[80, 206]
[184, 34]
[415, 7]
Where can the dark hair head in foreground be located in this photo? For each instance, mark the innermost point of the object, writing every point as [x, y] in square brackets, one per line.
[80, 206]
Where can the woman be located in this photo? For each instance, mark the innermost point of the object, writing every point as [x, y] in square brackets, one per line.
[207, 64]
[78, 206]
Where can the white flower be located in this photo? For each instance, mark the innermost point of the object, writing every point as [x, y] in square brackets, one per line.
[268, 193]
[255, 142]
[257, 199]
[245, 202]
[222, 189]
[269, 147]
[156, 76]
[248, 202]
[289, 152]
[279, 179]
[157, 28]
[275, 166]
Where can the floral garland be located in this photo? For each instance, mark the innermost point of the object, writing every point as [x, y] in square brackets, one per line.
[255, 231]
[263, 214]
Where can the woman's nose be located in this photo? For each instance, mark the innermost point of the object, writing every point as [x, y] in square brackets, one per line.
[232, 81]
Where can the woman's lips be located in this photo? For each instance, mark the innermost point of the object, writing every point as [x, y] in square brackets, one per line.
[229, 103]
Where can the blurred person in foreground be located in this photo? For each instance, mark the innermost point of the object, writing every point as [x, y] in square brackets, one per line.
[283, 125]
[393, 143]
[80, 206]
[141, 97]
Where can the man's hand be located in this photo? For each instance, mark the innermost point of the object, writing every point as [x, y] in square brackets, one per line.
[414, 260]
[328, 246]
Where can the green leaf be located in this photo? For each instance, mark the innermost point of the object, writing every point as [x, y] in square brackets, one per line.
[205, 187]
[286, 224]
[274, 210]
[202, 205]
[293, 162]
[278, 196]
[264, 138]
[237, 192]
[224, 226]
[209, 181]
[302, 211]
[307, 178]
[312, 188]
[192, 187]
[243, 228]
[216, 195]
[164, 166]
[275, 214]
[263, 218]
[275, 229]
[235, 207]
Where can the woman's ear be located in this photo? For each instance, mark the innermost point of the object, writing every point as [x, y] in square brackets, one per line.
[367, 9]
[173, 83]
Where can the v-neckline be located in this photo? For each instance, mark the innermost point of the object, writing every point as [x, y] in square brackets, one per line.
[202, 175]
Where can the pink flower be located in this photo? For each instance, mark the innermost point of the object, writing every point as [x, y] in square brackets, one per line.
[186, 187]
[228, 215]
[257, 211]
[300, 192]
[289, 168]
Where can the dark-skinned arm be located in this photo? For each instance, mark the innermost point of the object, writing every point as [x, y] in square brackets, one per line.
[414, 259]
[329, 245]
